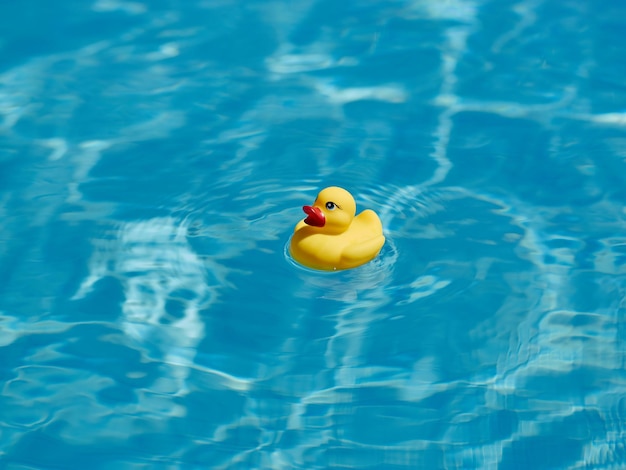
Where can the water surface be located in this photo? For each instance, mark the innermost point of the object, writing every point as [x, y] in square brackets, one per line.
[153, 161]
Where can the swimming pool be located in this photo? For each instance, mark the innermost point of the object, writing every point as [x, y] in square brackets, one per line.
[155, 157]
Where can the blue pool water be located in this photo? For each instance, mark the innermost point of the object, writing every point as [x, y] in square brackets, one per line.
[154, 159]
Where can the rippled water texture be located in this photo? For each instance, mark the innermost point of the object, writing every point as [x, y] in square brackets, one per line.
[154, 157]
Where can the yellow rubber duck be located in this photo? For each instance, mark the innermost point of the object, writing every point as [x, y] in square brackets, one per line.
[331, 237]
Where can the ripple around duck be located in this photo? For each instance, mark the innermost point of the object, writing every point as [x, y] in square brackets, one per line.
[379, 268]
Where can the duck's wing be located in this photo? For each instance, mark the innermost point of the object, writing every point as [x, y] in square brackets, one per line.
[366, 249]
[369, 219]
[373, 240]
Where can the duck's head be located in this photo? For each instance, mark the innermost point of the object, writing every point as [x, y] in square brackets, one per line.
[333, 209]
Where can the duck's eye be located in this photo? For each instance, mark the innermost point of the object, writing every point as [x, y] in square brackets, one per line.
[331, 206]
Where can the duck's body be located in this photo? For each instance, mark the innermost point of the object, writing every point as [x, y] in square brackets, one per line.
[332, 237]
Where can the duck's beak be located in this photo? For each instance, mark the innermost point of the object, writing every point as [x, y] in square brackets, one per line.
[315, 216]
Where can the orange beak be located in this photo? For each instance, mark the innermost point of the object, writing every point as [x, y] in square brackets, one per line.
[315, 216]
